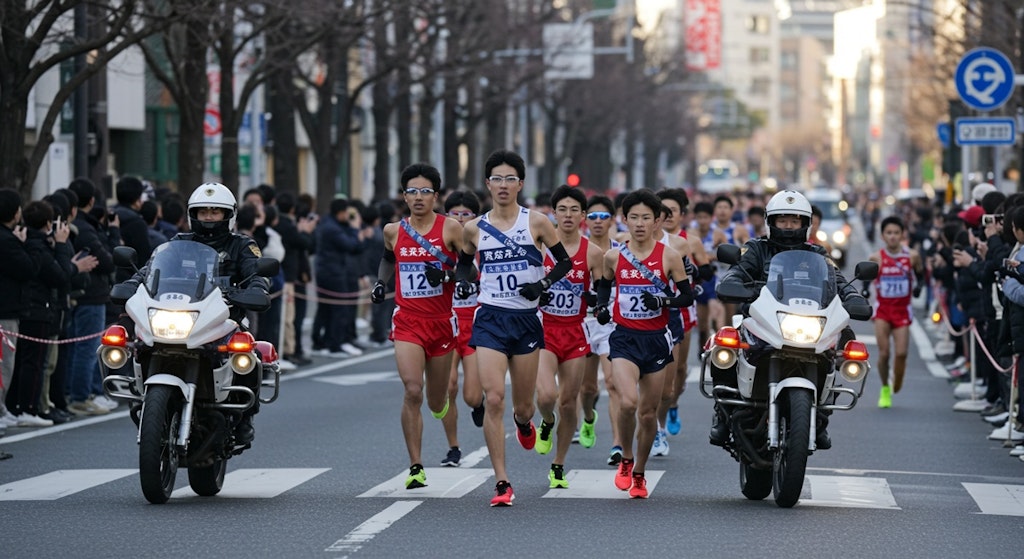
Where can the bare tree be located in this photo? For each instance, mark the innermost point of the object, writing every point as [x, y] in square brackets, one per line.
[36, 38]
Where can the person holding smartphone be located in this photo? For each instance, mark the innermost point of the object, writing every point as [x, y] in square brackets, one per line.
[18, 269]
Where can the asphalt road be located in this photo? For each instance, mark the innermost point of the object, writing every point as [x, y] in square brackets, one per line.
[324, 480]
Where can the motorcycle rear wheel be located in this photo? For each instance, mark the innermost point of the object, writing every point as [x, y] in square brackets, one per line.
[755, 484]
[158, 455]
[207, 481]
[790, 462]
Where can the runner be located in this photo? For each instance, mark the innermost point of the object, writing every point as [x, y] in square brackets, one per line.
[899, 272]
[709, 237]
[641, 347]
[507, 332]
[565, 346]
[422, 250]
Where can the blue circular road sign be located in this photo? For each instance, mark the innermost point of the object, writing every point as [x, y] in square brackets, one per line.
[984, 79]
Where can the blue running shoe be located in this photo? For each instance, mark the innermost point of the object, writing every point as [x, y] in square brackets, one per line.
[673, 424]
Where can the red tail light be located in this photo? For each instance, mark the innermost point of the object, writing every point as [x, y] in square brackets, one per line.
[115, 335]
[855, 351]
[728, 336]
[240, 342]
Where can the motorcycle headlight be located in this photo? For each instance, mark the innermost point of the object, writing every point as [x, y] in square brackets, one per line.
[800, 329]
[172, 325]
[839, 238]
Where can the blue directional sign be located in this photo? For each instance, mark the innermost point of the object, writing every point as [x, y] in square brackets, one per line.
[989, 131]
[984, 79]
[944, 132]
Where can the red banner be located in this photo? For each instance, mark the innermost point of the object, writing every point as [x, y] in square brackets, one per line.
[702, 20]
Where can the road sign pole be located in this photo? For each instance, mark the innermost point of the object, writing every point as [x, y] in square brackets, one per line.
[965, 171]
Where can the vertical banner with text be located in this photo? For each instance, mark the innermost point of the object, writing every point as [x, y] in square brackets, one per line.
[702, 20]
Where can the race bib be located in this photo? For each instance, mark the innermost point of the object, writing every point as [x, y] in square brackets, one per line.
[413, 281]
[631, 306]
[894, 287]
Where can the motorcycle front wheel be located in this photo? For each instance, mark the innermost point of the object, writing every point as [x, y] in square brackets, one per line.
[790, 462]
[158, 455]
[207, 481]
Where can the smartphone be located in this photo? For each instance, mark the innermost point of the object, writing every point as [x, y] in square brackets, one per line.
[86, 252]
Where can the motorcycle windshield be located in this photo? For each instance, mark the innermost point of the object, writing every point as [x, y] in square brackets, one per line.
[801, 277]
[182, 270]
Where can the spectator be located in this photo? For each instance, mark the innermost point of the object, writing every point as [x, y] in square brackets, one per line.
[305, 205]
[270, 321]
[172, 216]
[340, 244]
[18, 269]
[150, 213]
[297, 238]
[134, 231]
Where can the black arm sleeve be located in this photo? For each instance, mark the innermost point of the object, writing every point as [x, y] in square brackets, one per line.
[465, 269]
[562, 264]
[386, 270]
[684, 299]
[604, 291]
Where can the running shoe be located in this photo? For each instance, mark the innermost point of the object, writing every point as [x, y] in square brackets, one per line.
[453, 458]
[673, 424]
[417, 477]
[639, 488]
[885, 397]
[615, 456]
[588, 435]
[528, 439]
[478, 415]
[660, 446]
[543, 443]
[556, 478]
[623, 478]
[503, 495]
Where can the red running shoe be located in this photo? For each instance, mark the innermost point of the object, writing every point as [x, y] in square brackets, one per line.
[503, 495]
[623, 478]
[639, 488]
[528, 440]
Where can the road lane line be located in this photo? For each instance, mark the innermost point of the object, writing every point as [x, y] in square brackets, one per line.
[57, 484]
[255, 483]
[362, 534]
[924, 348]
[997, 499]
[846, 491]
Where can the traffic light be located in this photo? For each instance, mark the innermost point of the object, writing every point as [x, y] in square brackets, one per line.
[573, 180]
[951, 155]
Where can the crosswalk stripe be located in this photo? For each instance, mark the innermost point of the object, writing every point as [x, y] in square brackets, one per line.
[442, 483]
[257, 483]
[999, 499]
[598, 484]
[848, 491]
[57, 484]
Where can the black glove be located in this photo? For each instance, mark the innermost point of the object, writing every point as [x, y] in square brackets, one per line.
[377, 295]
[917, 291]
[603, 315]
[464, 289]
[545, 298]
[436, 276]
[590, 298]
[697, 290]
[691, 269]
[533, 290]
[651, 301]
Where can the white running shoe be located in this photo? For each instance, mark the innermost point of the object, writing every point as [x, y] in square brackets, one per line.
[351, 349]
[8, 419]
[28, 420]
[287, 365]
[1006, 432]
[105, 403]
[1017, 450]
[660, 446]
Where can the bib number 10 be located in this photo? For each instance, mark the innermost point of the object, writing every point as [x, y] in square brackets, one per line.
[507, 282]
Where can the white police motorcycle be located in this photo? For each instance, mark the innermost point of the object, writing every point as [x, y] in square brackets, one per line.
[191, 370]
[779, 362]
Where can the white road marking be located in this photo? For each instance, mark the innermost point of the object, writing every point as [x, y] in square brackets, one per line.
[924, 348]
[442, 483]
[359, 379]
[842, 491]
[258, 483]
[357, 538]
[997, 499]
[598, 484]
[57, 484]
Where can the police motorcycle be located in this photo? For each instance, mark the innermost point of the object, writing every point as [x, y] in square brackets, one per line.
[779, 363]
[192, 369]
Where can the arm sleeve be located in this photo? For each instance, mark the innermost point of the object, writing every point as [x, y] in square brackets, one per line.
[386, 270]
[683, 299]
[604, 291]
[465, 268]
[562, 264]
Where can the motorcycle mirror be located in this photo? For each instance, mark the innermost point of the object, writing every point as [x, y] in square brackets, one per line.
[267, 267]
[124, 257]
[120, 293]
[728, 254]
[734, 292]
[866, 271]
[253, 300]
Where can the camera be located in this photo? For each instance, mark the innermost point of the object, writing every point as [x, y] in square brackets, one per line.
[990, 219]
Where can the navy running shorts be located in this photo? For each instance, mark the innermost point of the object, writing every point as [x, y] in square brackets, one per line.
[650, 351]
[510, 331]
